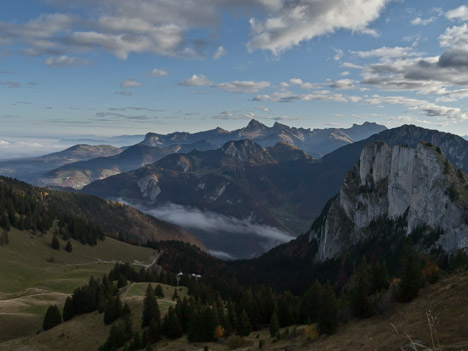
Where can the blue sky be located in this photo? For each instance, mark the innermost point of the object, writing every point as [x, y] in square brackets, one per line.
[112, 67]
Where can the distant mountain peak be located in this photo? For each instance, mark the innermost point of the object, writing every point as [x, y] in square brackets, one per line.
[254, 124]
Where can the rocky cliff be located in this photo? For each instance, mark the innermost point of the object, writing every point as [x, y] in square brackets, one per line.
[416, 187]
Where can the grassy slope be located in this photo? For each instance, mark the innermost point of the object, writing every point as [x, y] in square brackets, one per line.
[447, 300]
[87, 332]
[29, 283]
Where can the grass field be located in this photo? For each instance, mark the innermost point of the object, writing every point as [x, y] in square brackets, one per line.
[29, 282]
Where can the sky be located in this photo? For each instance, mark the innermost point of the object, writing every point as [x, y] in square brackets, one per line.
[71, 68]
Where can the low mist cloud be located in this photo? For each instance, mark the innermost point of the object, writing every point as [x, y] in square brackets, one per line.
[213, 222]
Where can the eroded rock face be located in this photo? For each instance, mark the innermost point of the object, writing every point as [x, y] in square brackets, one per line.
[414, 184]
[149, 187]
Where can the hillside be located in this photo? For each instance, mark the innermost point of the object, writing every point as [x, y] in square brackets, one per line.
[242, 181]
[30, 169]
[78, 174]
[33, 275]
[26, 207]
[395, 328]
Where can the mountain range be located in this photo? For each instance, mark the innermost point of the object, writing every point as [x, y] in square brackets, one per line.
[316, 142]
[243, 181]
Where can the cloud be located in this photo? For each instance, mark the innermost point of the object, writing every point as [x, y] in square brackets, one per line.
[193, 218]
[298, 82]
[244, 87]
[221, 255]
[338, 54]
[157, 72]
[426, 107]
[130, 83]
[220, 52]
[460, 13]
[323, 95]
[387, 52]
[418, 21]
[10, 84]
[162, 27]
[65, 61]
[343, 84]
[196, 80]
[293, 22]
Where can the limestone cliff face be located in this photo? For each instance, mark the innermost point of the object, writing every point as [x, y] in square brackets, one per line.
[415, 185]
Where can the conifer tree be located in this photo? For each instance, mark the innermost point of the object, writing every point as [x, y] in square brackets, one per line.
[154, 331]
[55, 244]
[171, 326]
[411, 279]
[69, 247]
[158, 291]
[274, 325]
[52, 318]
[150, 308]
[360, 303]
[68, 312]
[328, 314]
[311, 303]
[244, 328]
[380, 279]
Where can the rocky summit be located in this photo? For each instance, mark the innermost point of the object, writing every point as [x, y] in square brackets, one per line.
[416, 187]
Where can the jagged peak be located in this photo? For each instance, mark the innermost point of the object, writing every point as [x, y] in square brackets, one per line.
[254, 124]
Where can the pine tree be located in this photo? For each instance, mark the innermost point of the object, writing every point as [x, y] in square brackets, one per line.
[244, 328]
[411, 279]
[154, 331]
[328, 314]
[311, 303]
[158, 291]
[274, 325]
[52, 318]
[360, 303]
[68, 312]
[55, 244]
[171, 326]
[122, 281]
[113, 310]
[150, 308]
[68, 247]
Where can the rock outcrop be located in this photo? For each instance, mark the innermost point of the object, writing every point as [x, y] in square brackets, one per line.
[416, 186]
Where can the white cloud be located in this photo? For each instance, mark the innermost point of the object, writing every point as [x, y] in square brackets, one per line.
[157, 72]
[418, 21]
[196, 80]
[298, 82]
[426, 107]
[460, 13]
[244, 87]
[343, 84]
[65, 61]
[291, 23]
[220, 51]
[130, 83]
[193, 218]
[338, 54]
[387, 52]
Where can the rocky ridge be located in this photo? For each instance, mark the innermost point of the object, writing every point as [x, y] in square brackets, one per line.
[417, 186]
